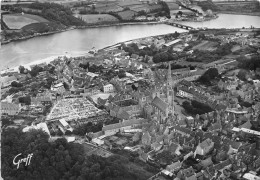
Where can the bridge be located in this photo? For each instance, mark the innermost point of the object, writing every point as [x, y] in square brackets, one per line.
[179, 25]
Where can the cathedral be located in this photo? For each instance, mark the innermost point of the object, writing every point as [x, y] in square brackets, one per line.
[163, 99]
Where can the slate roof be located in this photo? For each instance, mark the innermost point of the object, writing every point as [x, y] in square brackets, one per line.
[40, 99]
[188, 172]
[160, 104]
[173, 147]
[185, 130]
[206, 143]
[122, 114]
[207, 162]
[215, 126]
[156, 145]
[9, 106]
[222, 165]
[174, 166]
[247, 125]
[123, 124]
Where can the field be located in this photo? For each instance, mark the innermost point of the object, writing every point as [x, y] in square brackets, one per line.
[173, 6]
[206, 46]
[235, 48]
[109, 8]
[98, 18]
[17, 21]
[43, 27]
[129, 2]
[145, 7]
[127, 15]
[91, 149]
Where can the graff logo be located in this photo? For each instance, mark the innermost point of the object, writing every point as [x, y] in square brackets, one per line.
[26, 160]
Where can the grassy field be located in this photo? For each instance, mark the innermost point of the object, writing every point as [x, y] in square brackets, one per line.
[109, 8]
[172, 6]
[127, 15]
[235, 48]
[145, 7]
[129, 2]
[206, 46]
[17, 21]
[42, 27]
[98, 18]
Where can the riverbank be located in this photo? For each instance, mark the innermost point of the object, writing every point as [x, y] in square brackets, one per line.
[240, 13]
[79, 27]
[45, 60]
[68, 55]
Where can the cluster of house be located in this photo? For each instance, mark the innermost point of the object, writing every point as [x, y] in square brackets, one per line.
[186, 89]
[242, 38]
[213, 145]
[207, 146]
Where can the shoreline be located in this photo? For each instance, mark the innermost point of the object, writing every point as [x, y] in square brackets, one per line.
[52, 58]
[40, 61]
[79, 27]
[239, 13]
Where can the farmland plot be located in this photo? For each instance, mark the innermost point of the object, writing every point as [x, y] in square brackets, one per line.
[144, 7]
[173, 6]
[114, 8]
[98, 18]
[129, 2]
[127, 15]
[206, 46]
[17, 21]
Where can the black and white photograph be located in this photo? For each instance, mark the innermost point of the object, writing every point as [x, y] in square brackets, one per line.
[130, 90]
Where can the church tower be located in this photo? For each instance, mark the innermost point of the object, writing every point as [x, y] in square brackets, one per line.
[170, 90]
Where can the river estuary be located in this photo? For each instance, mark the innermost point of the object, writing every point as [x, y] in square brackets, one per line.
[79, 41]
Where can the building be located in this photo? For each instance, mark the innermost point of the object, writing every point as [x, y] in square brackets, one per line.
[164, 107]
[204, 147]
[174, 167]
[108, 88]
[112, 129]
[9, 108]
[42, 126]
[44, 100]
[7, 80]
[171, 43]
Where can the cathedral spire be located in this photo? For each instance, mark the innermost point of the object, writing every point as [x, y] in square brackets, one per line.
[169, 76]
[170, 90]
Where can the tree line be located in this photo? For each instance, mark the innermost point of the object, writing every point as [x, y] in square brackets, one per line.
[196, 107]
[210, 56]
[56, 160]
[56, 13]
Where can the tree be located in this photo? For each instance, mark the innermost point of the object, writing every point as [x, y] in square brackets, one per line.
[35, 70]
[26, 100]
[126, 8]
[21, 69]
[121, 74]
[84, 66]
[56, 160]
[16, 84]
[208, 76]
[242, 75]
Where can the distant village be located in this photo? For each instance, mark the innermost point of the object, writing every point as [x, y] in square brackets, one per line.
[188, 119]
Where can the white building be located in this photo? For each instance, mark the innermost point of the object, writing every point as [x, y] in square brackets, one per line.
[184, 94]
[9, 108]
[42, 126]
[7, 80]
[108, 88]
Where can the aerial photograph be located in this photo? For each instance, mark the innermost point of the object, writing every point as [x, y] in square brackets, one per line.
[130, 90]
